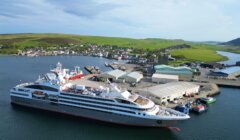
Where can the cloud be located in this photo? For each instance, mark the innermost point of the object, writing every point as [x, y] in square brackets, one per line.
[83, 8]
[183, 19]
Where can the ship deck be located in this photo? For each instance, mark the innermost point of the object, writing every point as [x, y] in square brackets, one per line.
[85, 81]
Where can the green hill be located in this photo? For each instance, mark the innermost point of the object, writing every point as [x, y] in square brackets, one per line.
[31, 40]
[234, 42]
[198, 52]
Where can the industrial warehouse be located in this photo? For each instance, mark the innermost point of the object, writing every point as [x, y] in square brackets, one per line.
[184, 73]
[122, 76]
[228, 73]
[164, 78]
[133, 77]
[170, 91]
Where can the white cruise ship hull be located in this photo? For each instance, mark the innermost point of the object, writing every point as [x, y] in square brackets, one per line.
[91, 114]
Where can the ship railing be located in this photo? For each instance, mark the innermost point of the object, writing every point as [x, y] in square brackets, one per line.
[24, 84]
[72, 90]
[169, 112]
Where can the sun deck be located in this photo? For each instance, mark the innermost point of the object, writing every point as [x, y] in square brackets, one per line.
[88, 83]
[142, 101]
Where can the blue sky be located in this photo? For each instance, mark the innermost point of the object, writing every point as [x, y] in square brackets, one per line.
[195, 20]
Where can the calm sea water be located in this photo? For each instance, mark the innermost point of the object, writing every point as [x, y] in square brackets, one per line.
[221, 121]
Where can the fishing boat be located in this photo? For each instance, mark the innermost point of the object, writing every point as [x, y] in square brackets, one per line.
[66, 73]
[199, 108]
[208, 100]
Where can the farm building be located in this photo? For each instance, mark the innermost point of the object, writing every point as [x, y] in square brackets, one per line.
[133, 77]
[170, 91]
[114, 75]
[184, 73]
[230, 72]
[164, 78]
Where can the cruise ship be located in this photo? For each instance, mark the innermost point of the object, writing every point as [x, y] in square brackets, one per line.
[109, 103]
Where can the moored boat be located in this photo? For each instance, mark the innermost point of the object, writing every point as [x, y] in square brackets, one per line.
[207, 100]
[199, 108]
[182, 108]
[66, 73]
[106, 64]
[105, 103]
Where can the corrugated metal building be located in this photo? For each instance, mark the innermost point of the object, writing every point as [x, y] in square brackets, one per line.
[184, 73]
[133, 77]
[230, 72]
[164, 78]
[114, 75]
[170, 91]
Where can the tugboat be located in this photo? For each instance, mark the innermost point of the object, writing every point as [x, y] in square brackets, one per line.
[207, 100]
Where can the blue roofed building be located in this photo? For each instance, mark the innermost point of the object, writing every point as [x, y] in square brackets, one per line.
[184, 73]
[230, 72]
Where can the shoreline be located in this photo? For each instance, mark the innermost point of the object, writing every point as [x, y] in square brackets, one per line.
[224, 58]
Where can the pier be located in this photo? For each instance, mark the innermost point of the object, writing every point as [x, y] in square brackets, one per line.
[220, 82]
[93, 70]
[125, 67]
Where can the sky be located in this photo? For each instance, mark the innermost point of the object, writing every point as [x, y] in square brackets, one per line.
[193, 20]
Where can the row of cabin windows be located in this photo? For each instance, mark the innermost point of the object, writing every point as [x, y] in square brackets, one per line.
[16, 93]
[41, 87]
[88, 97]
[107, 112]
[100, 107]
[102, 103]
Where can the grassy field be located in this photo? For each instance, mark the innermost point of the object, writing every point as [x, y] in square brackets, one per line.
[194, 54]
[28, 40]
[197, 52]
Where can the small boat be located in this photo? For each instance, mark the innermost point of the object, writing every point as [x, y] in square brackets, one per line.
[182, 108]
[207, 100]
[106, 64]
[199, 108]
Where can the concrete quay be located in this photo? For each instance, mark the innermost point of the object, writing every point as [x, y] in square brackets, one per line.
[220, 82]
[93, 70]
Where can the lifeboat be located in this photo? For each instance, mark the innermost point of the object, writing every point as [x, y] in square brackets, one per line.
[38, 94]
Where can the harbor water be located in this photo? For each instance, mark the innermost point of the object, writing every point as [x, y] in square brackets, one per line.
[221, 121]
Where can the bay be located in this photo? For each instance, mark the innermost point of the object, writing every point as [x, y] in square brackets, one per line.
[221, 121]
